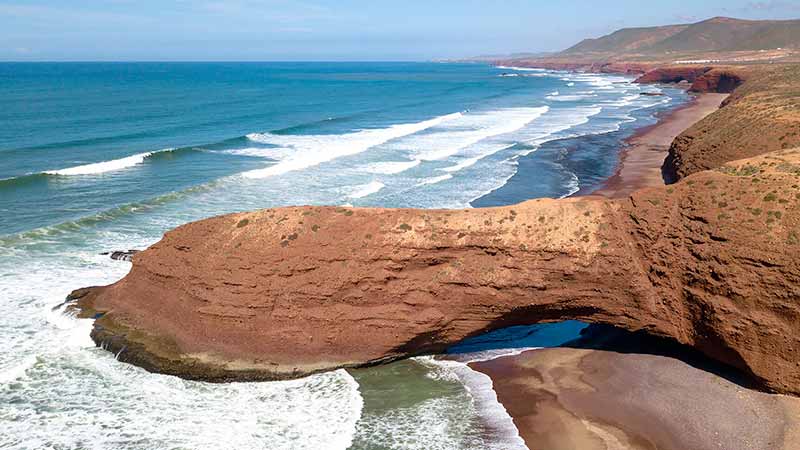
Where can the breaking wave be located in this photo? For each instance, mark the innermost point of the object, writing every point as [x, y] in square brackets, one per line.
[303, 151]
[106, 166]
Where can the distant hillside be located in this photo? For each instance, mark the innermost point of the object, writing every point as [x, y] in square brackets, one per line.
[626, 40]
[717, 34]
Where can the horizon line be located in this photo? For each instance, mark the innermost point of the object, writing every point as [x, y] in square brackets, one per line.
[256, 61]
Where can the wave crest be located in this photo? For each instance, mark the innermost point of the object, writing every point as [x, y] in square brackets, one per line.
[106, 166]
[312, 150]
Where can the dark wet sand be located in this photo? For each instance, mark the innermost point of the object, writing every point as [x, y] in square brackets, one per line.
[579, 399]
[641, 160]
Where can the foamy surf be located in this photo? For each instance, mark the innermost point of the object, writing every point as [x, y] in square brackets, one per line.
[17, 371]
[105, 166]
[493, 414]
[569, 98]
[367, 189]
[276, 153]
[434, 180]
[521, 69]
[573, 186]
[469, 130]
[480, 154]
[389, 167]
[312, 150]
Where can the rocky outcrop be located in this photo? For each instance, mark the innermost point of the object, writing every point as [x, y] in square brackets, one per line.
[674, 74]
[121, 255]
[710, 262]
[719, 80]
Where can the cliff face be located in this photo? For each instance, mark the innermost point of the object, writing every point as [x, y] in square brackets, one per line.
[711, 262]
[761, 115]
[722, 80]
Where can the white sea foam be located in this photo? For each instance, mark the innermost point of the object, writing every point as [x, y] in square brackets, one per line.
[470, 129]
[366, 189]
[573, 186]
[624, 101]
[13, 373]
[480, 388]
[481, 154]
[447, 421]
[570, 98]
[92, 400]
[311, 150]
[521, 69]
[441, 423]
[434, 180]
[646, 105]
[276, 153]
[389, 167]
[105, 166]
[556, 122]
[553, 125]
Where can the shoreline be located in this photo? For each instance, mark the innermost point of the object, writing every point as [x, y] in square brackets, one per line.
[568, 398]
[592, 157]
[643, 154]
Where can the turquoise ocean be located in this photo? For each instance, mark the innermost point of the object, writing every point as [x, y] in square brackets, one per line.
[96, 157]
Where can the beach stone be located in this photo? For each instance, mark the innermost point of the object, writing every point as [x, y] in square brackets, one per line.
[122, 255]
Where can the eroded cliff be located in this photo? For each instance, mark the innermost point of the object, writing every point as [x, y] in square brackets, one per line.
[711, 262]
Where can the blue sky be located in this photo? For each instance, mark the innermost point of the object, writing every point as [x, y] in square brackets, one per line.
[332, 30]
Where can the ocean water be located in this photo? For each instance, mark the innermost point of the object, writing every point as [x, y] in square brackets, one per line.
[100, 157]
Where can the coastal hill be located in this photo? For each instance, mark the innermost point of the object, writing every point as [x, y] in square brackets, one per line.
[626, 40]
[716, 40]
[719, 34]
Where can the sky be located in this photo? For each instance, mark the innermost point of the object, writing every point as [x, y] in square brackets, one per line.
[349, 30]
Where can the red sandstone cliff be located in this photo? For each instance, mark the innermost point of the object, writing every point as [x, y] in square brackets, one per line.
[711, 262]
[723, 80]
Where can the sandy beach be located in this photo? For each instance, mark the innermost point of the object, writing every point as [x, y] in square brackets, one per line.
[641, 159]
[568, 399]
